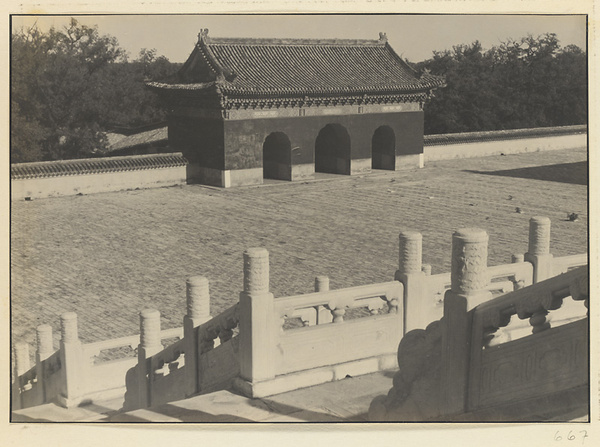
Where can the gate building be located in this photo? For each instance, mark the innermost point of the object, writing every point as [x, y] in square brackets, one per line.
[242, 110]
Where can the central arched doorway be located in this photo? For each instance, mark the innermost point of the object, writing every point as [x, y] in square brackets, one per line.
[332, 150]
[277, 157]
[383, 146]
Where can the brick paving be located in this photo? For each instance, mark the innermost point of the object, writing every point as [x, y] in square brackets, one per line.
[107, 256]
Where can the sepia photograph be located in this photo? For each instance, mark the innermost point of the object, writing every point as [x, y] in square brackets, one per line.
[344, 219]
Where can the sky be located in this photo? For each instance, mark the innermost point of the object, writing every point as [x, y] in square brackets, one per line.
[414, 37]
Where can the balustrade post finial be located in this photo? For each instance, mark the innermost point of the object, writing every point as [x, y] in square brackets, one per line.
[517, 258]
[322, 284]
[257, 319]
[72, 361]
[417, 312]
[150, 344]
[198, 298]
[22, 362]
[469, 280]
[21, 366]
[539, 235]
[538, 252]
[69, 333]
[198, 312]
[323, 314]
[410, 252]
[426, 268]
[256, 270]
[469, 274]
[150, 329]
[45, 344]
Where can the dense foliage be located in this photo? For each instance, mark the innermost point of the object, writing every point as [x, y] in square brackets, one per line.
[518, 84]
[70, 86]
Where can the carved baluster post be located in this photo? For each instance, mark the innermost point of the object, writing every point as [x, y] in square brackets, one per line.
[469, 278]
[519, 282]
[22, 365]
[426, 268]
[539, 322]
[198, 312]
[410, 273]
[517, 258]
[323, 314]
[44, 349]
[337, 314]
[539, 249]
[257, 326]
[72, 361]
[150, 344]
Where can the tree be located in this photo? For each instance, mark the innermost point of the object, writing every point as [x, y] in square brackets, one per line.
[518, 84]
[70, 86]
[464, 105]
[137, 104]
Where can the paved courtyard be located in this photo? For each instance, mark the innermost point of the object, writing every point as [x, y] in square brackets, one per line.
[108, 256]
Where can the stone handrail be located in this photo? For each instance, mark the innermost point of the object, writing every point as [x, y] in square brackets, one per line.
[267, 356]
[560, 350]
[530, 303]
[81, 377]
[93, 349]
[423, 291]
[451, 370]
[503, 278]
[39, 383]
[168, 360]
[272, 359]
[220, 327]
[565, 263]
[372, 296]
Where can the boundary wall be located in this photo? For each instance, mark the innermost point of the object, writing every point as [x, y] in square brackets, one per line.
[88, 176]
[503, 142]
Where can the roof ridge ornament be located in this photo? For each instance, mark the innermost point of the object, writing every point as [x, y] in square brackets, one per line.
[203, 35]
[383, 37]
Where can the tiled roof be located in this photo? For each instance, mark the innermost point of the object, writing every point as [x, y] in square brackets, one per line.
[283, 67]
[152, 136]
[498, 135]
[95, 165]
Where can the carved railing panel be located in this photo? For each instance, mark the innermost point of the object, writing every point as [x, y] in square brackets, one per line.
[123, 347]
[565, 263]
[342, 304]
[376, 331]
[41, 383]
[549, 360]
[218, 330]
[31, 391]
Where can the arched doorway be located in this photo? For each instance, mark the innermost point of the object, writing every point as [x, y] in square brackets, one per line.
[332, 150]
[383, 146]
[277, 156]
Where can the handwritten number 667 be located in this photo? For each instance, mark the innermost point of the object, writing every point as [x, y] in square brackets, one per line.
[571, 436]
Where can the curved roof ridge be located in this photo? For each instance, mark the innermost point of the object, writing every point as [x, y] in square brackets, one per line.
[292, 41]
[240, 66]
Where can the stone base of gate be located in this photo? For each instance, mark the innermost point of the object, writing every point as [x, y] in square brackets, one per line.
[303, 171]
[411, 161]
[316, 376]
[360, 165]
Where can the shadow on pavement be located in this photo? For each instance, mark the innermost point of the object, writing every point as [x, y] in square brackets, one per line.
[574, 173]
[179, 413]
